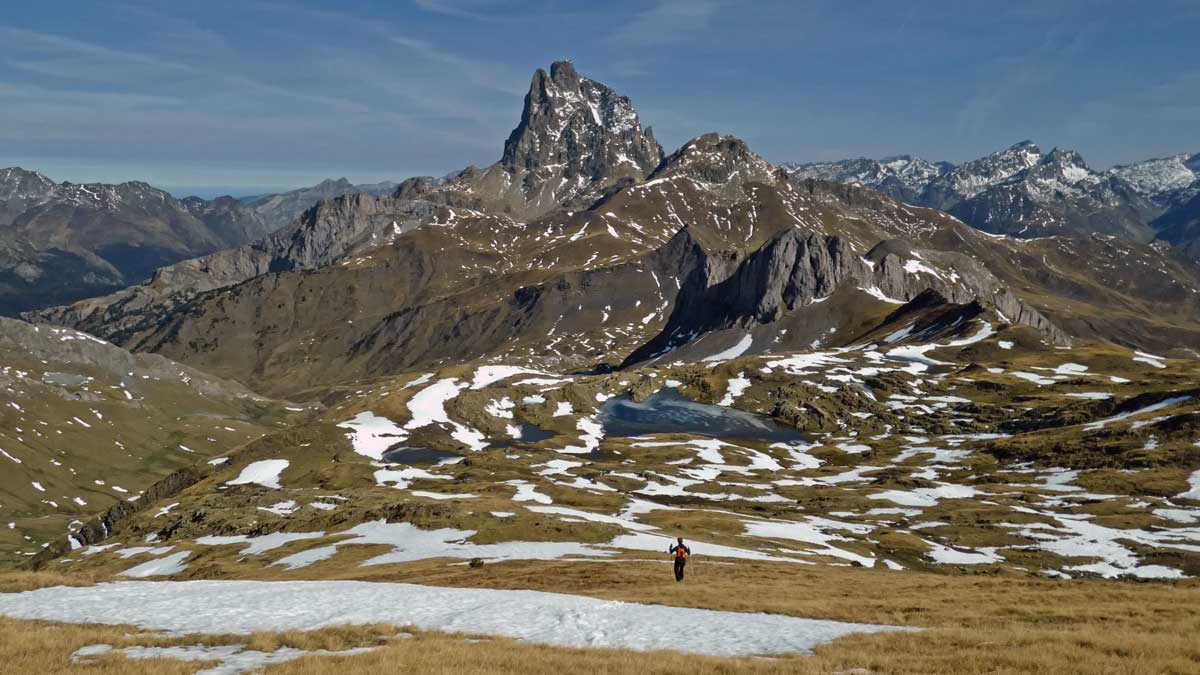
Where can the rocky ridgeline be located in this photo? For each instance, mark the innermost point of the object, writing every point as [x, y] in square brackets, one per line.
[1023, 192]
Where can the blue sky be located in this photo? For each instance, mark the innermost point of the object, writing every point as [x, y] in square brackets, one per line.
[259, 95]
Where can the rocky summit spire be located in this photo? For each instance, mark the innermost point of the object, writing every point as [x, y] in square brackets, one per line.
[580, 128]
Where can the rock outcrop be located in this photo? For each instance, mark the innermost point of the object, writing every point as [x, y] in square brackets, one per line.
[798, 269]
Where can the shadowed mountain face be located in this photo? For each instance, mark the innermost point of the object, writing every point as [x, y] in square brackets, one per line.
[60, 242]
[584, 247]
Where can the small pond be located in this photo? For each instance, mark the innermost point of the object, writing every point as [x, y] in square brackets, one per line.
[530, 433]
[669, 412]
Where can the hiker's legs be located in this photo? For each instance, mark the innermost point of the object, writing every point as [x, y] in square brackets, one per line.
[679, 563]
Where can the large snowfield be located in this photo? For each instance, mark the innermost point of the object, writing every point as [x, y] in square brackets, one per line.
[222, 607]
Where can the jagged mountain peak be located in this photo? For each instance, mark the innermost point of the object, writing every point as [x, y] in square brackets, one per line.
[1011, 159]
[1061, 166]
[1026, 145]
[1064, 156]
[971, 178]
[584, 126]
[16, 173]
[576, 140]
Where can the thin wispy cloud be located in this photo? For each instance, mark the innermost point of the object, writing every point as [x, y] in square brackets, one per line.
[487, 74]
[172, 31]
[449, 9]
[73, 59]
[434, 85]
[1019, 78]
[667, 21]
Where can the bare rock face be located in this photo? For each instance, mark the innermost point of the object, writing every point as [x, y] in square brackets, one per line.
[792, 271]
[577, 127]
[797, 269]
[577, 139]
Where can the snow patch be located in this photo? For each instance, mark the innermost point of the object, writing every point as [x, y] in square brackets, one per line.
[241, 607]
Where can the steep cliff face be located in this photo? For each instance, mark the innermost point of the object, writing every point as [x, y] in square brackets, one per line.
[577, 140]
[798, 270]
[581, 127]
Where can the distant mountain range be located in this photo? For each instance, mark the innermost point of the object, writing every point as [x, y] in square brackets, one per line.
[282, 208]
[586, 246]
[1023, 192]
[60, 242]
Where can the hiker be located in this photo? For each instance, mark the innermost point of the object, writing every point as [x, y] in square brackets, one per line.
[681, 552]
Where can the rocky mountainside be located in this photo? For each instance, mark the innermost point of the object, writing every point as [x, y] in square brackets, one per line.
[279, 210]
[583, 248]
[1023, 192]
[1180, 225]
[577, 138]
[903, 177]
[1162, 180]
[64, 241]
[85, 425]
[971, 178]
[565, 359]
[1057, 194]
[60, 242]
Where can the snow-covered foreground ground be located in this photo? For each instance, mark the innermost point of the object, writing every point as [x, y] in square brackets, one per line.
[548, 618]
